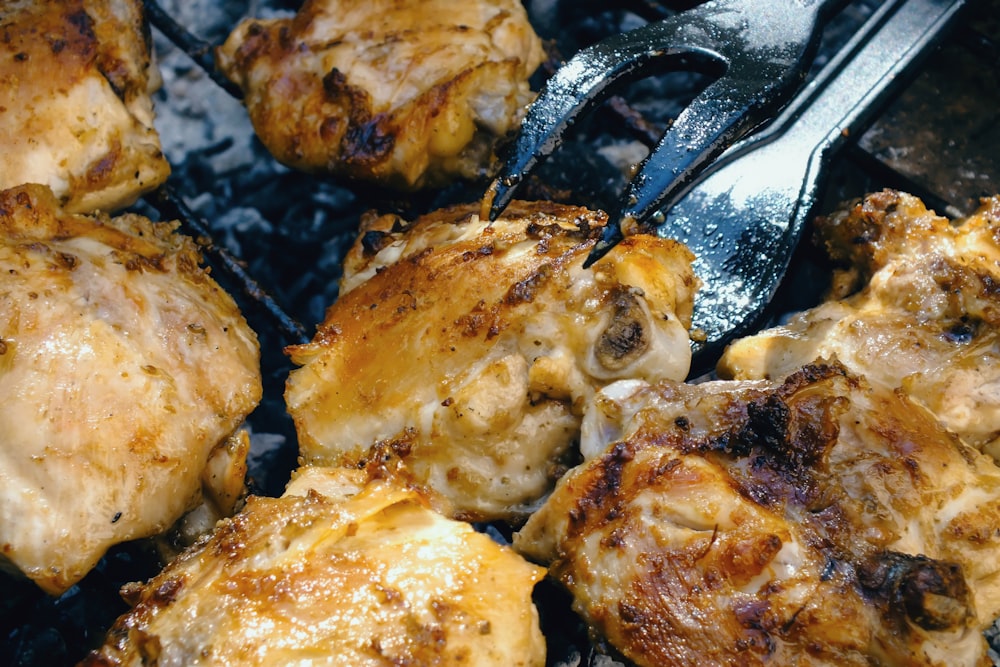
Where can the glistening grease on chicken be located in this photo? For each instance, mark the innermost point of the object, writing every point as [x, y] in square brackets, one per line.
[75, 107]
[916, 306]
[342, 569]
[472, 347]
[126, 369]
[817, 520]
[409, 93]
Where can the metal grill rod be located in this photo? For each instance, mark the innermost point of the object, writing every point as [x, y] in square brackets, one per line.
[200, 51]
[171, 205]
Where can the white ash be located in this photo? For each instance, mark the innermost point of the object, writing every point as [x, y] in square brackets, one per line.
[193, 114]
[576, 660]
[237, 222]
[625, 156]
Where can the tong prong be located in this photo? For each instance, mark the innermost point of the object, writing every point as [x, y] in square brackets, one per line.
[729, 109]
[761, 50]
[581, 84]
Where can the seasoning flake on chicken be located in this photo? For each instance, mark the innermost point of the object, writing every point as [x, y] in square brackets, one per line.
[75, 106]
[817, 520]
[916, 307]
[343, 569]
[405, 93]
[472, 347]
[126, 370]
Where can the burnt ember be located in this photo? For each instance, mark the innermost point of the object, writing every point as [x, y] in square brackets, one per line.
[288, 232]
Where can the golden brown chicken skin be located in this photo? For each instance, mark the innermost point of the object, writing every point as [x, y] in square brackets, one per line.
[341, 570]
[75, 106]
[125, 369]
[405, 93]
[915, 306]
[812, 521]
[472, 347]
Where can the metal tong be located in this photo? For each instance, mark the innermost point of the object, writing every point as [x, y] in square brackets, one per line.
[743, 213]
[762, 49]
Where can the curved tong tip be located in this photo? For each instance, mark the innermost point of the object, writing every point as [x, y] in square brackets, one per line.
[498, 195]
[611, 237]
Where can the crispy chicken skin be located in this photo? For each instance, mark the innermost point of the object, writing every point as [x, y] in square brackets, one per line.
[472, 347]
[75, 106]
[916, 307]
[404, 93]
[813, 521]
[341, 570]
[125, 369]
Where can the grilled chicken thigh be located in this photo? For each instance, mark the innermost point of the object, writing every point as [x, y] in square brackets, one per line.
[339, 570]
[472, 347]
[814, 521]
[125, 369]
[75, 107]
[917, 308]
[406, 93]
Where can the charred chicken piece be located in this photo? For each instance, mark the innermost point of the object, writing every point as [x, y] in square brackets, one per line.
[472, 347]
[125, 371]
[813, 521]
[75, 106]
[916, 307]
[405, 94]
[339, 570]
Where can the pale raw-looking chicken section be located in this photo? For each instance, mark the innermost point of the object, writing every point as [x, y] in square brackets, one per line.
[915, 306]
[817, 520]
[342, 569]
[473, 347]
[404, 93]
[126, 371]
[75, 106]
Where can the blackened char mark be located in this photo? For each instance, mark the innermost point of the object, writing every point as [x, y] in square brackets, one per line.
[601, 499]
[931, 594]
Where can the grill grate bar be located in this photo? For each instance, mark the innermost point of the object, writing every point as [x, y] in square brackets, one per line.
[171, 205]
[200, 51]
